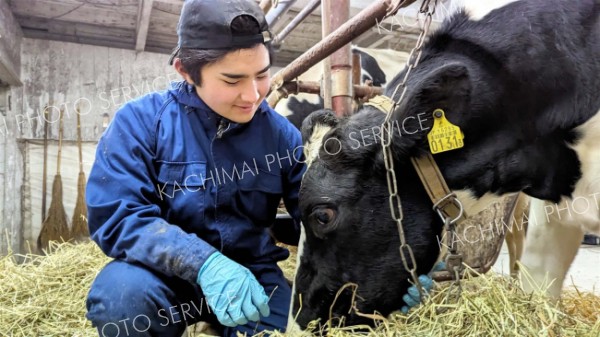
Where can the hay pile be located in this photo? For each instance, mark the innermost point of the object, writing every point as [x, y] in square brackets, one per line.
[489, 305]
[45, 296]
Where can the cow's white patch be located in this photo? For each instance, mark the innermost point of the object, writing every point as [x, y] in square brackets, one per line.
[390, 61]
[292, 326]
[314, 143]
[550, 247]
[282, 107]
[556, 230]
[473, 205]
[477, 9]
[583, 208]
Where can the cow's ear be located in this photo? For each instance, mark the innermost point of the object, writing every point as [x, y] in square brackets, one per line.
[320, 119]
[445, 84]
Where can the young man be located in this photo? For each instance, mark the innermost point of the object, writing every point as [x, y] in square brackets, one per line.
[186, 184]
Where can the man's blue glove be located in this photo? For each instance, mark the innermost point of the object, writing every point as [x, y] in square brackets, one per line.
[232, 292]
[412, 297]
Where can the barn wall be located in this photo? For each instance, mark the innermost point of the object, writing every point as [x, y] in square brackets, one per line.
[65, 76]
[97, 79]
[11, 177]
[10, 46]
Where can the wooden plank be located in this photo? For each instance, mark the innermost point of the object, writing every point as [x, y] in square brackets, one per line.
[10, 46]
[101, 99]
[37, 89]
[168, 7]
[164, 39]
[163, 22]
[111, 16]
[106, 41]
[172, 2]
[143, 22]
[159, 50]
[86, 101]
[72, 28]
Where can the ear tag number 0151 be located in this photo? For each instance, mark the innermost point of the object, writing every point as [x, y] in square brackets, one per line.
[444, 136]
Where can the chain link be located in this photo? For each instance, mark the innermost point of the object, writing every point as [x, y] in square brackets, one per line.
[406, 252]
[453, 264]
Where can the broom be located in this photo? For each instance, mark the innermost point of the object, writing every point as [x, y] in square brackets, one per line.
[79, 230]
[55, 227]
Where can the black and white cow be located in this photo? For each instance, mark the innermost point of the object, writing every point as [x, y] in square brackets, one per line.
[522, 81]
[378, 67]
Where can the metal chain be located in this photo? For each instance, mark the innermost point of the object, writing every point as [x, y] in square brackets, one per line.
[453, 260]
[406, 252]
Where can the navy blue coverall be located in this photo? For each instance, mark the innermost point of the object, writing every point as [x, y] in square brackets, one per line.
[172, 183]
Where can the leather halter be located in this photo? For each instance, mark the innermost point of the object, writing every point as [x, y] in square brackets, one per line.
[443, 199]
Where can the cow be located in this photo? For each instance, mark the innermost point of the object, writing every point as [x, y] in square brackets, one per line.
[521, 82]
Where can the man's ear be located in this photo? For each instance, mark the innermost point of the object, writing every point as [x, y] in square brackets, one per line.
[179, 68]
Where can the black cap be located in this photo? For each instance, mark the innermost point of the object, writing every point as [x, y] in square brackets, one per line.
[206, 24]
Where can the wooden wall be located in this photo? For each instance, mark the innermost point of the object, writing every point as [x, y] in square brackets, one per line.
[97, 79]
[62, 76]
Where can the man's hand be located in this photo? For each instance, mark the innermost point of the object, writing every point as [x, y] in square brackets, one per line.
[412, 297]
[232, 292]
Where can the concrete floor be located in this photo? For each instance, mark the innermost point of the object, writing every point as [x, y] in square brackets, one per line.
[584, 273]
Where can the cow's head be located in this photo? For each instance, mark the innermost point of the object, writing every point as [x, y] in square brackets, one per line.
[349, 235]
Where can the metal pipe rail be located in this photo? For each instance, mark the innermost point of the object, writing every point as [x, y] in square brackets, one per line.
[353, 28]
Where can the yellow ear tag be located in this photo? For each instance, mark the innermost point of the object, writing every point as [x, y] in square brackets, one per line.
[444, 136]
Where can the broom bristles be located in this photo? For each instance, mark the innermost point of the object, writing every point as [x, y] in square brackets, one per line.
[80, 231]
[56, 225]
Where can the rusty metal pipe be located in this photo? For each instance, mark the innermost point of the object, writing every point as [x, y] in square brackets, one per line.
[363, 92]
[275, 14]
[356, 69]
[312, 87]
[354, 27]
[303, 14]
[341, 70]
[326, 64]
[266, 5]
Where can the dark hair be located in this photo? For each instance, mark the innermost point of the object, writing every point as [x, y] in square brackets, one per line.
[193, 60]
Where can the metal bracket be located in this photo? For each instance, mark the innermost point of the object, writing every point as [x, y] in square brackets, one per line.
[440, 204]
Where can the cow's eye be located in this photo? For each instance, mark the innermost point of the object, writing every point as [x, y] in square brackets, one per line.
[323, 215]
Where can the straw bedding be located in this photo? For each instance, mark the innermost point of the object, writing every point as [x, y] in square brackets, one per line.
[45, 296]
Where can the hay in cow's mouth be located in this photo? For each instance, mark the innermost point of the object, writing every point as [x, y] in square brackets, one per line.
[45, 296]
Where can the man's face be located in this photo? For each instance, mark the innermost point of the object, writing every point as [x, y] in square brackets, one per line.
[235, 86]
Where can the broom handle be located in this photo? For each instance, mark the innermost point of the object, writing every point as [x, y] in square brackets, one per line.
[60, 134]
[45, 169]
[79, 141]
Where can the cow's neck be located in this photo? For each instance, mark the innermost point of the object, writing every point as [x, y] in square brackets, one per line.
[510, 147]
[507, 147]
